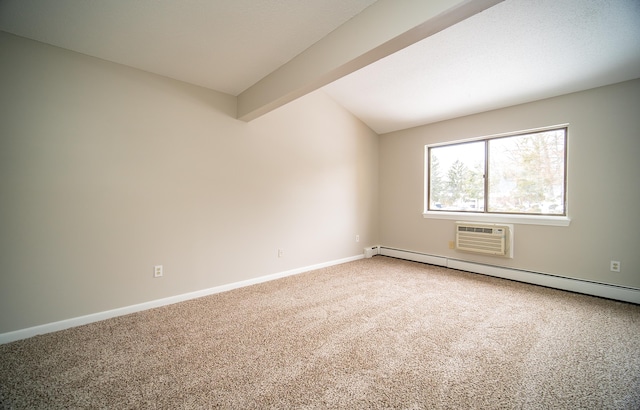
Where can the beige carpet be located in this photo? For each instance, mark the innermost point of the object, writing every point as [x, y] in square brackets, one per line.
[375, 333]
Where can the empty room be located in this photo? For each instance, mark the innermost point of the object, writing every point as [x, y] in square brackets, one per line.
[320, 204]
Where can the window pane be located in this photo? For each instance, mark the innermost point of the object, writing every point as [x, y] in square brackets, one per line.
[527, 173]
[456, 177]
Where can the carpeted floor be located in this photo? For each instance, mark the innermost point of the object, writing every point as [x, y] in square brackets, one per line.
[375, 333]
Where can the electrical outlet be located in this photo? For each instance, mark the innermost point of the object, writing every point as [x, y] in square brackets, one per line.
[157, 271]
[615, 266]
[280, 253]
[452, 245]
[357, 238]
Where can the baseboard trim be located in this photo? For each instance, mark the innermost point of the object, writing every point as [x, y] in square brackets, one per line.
[96, 317]
[604, 290]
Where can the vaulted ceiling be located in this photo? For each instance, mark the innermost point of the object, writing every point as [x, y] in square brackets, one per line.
[393, 63]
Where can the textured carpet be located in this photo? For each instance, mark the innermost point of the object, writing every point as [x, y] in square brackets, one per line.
[374, 333]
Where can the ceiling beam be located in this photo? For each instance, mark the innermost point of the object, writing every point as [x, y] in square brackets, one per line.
[380, 30]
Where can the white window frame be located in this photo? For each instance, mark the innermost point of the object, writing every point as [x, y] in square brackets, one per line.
[550, 220]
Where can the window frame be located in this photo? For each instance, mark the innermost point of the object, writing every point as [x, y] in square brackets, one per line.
[498, 217]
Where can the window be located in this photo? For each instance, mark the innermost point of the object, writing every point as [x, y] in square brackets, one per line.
[523, 174]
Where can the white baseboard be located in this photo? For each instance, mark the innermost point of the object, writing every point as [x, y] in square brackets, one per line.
[95, 317]
[604, 290]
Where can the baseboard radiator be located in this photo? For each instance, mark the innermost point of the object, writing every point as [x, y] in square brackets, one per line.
[604, 290]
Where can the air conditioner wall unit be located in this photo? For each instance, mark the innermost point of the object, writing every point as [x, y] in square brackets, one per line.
[485, 239]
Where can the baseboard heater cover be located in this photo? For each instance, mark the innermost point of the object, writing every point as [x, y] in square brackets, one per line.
[371, 251]
[413, 256]
[621, 293]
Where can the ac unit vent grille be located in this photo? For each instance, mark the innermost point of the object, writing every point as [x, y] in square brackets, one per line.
[483, 239]
[474, 229]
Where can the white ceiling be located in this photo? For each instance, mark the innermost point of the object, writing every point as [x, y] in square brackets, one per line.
[516, 51]
[225, 45]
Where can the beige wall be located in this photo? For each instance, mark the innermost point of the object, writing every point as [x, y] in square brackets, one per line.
[603, 197]
[106, 171]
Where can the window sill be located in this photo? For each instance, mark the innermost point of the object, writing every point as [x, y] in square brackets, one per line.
[500, 218]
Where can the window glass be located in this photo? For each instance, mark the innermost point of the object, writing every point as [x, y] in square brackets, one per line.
[457, 177]
[518, 174]
[527, 174]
